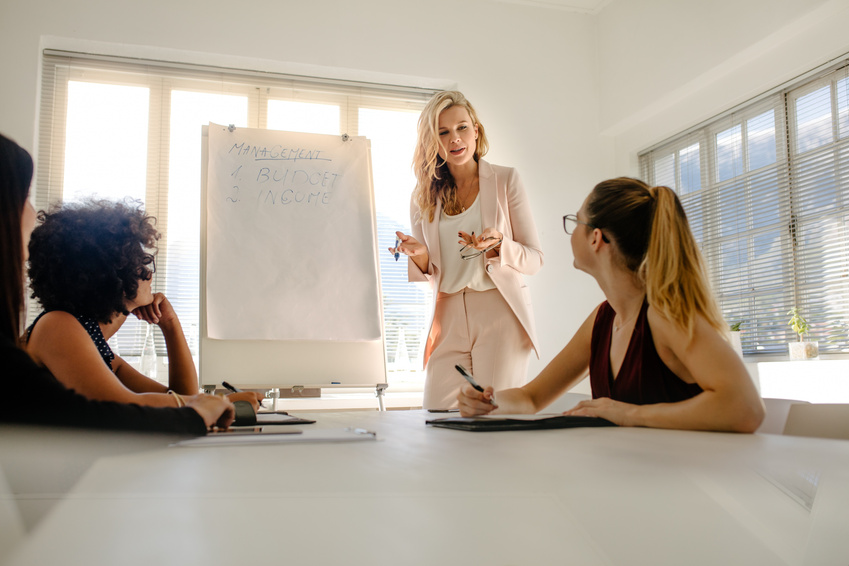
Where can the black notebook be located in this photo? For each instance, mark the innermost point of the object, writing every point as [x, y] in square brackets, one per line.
[245, 416]
[517, 422]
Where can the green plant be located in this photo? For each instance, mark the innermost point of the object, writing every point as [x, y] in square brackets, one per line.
[736, 326]
[799, 325]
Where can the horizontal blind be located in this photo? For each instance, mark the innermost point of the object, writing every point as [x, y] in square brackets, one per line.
[764, 187]
[170, 188]
[818, 116]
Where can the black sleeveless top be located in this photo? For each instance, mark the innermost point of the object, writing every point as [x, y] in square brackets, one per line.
[93, 328]
[643, 378]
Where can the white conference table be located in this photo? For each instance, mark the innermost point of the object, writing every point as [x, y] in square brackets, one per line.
[421, 495]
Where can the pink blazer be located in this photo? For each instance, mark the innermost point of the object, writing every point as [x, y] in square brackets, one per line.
[505, 207]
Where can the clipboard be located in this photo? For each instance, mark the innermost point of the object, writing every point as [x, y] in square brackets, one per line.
[517, 422]
[288, 436]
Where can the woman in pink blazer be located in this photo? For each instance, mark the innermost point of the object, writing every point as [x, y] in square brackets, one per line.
[473, 237]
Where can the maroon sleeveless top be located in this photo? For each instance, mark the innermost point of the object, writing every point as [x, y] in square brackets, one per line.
[643, 378]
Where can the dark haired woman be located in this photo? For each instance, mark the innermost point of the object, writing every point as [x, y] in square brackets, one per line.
[655, 349]
[90, 267]
[22, 378]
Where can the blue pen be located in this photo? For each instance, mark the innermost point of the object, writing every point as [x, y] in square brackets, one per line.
[473, 383]
[397, 243]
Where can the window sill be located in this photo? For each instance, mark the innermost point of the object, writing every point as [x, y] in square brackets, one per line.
[824, 380]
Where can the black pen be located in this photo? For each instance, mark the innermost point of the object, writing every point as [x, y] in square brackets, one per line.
[472, 381]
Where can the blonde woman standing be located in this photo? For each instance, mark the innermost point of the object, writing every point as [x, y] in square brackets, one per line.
[655, 349]
[473, 237]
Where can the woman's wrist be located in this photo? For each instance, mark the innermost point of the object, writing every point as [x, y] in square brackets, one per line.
[178, 398]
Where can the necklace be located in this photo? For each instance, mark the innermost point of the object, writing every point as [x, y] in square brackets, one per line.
[616, 327]
[461, 200]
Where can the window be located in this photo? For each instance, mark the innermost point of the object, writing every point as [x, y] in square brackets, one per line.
[118, 128]
[766, 190]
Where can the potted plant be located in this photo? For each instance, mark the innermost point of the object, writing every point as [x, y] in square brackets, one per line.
[734, 337]
[803, 349]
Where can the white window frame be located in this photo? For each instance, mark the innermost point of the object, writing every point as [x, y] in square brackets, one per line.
[161, 77]
[765, 330]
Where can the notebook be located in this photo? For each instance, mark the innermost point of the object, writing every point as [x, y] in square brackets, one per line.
[245, 416]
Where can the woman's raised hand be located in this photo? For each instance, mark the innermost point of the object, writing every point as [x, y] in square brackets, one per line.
[408, 246]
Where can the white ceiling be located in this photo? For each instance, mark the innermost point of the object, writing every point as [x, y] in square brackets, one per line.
[581, 6]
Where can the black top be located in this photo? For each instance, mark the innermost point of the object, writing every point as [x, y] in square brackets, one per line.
[53, 404]
[93, 328]
[643, 378]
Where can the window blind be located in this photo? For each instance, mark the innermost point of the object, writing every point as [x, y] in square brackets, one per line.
[765, 188]
[119, 127]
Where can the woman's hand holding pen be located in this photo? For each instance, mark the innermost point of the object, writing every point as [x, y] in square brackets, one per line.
[236, 394]
[473, 402]
[251, 397]
[412, 248]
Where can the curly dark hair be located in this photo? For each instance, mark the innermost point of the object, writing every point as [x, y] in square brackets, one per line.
[88, 258]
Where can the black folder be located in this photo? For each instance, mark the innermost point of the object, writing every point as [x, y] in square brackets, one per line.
[495, 423]
[245, 416]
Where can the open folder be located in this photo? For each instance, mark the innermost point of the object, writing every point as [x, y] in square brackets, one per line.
[493, 423]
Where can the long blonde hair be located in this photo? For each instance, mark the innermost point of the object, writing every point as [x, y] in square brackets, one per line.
[433, 179]
[650, 229]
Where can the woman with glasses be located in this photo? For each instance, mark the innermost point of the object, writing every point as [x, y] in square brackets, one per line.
[91, 265]
[656, 349]
[473, 237]
[22, 378]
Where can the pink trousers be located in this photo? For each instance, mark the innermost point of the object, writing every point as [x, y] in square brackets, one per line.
[478, 330]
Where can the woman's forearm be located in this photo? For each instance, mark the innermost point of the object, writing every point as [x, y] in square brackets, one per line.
[182, 374]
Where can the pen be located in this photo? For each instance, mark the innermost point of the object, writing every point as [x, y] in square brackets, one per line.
[397, 243]
[472, 381]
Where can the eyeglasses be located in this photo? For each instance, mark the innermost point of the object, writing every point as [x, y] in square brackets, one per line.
[464, 254]
[570, 222]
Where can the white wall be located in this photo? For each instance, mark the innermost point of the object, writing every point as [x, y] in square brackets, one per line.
[531, 73]
[667, 65]
[568, 99]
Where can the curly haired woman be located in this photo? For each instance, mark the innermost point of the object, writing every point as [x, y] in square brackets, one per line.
[91, 265]
[22, 379]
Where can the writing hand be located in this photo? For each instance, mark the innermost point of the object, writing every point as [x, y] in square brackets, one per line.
[473, 402]
[250, 396]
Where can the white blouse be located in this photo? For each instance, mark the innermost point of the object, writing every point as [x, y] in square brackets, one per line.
[458, 273]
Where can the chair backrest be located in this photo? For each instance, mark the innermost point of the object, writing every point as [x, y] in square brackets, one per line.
[776, 415]
[818, 420]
